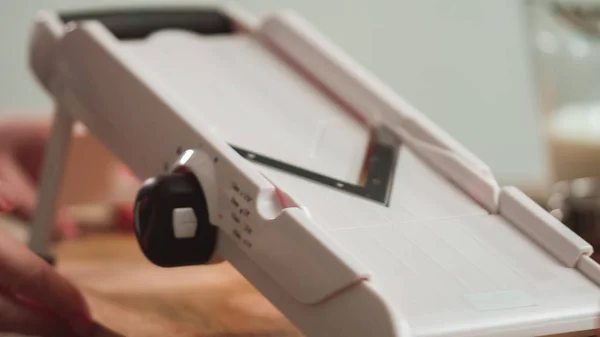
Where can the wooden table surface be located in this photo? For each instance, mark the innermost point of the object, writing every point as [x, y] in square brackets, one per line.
[132, 297]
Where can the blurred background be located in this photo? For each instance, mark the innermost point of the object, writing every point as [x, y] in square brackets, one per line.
[465, 63]
[515, 81]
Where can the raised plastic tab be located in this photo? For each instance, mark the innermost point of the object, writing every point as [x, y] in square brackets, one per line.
[589, 268]
[542, 227]
[479, 186]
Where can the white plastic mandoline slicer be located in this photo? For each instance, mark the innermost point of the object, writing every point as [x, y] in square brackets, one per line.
[262, 144]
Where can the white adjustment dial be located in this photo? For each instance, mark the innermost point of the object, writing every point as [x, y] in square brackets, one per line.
[184, 223]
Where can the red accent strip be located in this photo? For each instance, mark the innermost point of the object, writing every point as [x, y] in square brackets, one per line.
[343, 289]
[125, 218]
[283, 199]
[280, 197]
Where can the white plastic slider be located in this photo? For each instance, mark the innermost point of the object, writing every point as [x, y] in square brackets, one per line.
[372, 99]
[542, 227]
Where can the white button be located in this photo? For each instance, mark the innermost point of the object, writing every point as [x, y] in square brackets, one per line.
[184, 223]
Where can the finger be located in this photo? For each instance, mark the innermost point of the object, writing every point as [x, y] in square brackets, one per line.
[30, 155]
[15, 317]
[24, 130]
[5, 205]
[25, 274]
[20, 190]
[16, 185]
[25, 140]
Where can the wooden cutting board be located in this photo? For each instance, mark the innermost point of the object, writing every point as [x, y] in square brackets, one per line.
[134, 298]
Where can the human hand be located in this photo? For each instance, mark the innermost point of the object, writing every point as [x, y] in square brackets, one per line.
[35, 299]
[22, 143]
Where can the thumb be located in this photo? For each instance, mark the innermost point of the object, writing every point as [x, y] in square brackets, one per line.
[33, 283]
[18, 318]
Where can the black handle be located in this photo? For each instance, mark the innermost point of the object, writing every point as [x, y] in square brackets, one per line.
[138, 24]
[154, 209]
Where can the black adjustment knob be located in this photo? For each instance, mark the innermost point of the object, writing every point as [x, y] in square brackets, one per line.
[171, 221]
